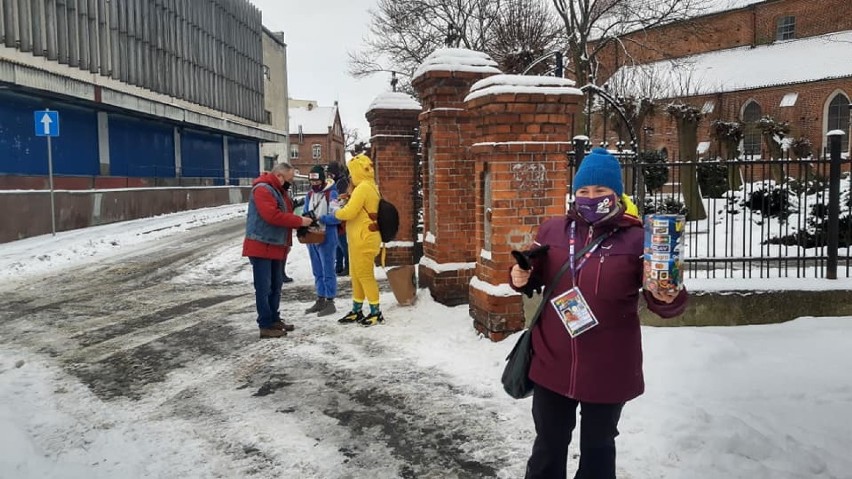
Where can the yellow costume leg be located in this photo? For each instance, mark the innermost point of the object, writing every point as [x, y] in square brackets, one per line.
[362, 271]
[357, 286]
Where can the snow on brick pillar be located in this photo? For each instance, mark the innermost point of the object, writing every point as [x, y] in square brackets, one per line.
[393, 123]
[523, 134]
[449, 249]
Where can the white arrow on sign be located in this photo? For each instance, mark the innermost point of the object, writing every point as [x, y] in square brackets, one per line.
[46, 121]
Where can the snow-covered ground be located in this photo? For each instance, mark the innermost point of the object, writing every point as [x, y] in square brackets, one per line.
[771, 401]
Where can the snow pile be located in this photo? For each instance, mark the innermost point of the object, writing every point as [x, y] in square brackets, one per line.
[499, 84]
[394, 100]
[457, 60]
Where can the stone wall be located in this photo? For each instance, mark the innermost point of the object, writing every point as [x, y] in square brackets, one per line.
[27, 213]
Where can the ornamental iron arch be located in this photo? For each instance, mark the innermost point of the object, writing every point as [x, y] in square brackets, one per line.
[625, 152]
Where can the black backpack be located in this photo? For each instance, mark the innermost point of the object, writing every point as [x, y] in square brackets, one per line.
[387, 219]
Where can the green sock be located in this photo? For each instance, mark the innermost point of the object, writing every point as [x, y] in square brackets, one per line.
[356, 306]
[374, 309]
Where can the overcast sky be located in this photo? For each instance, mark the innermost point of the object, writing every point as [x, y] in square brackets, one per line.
[318, 34]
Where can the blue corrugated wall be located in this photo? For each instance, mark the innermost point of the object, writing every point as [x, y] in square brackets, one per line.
[141, 148]
[138, 147]
[244, 159]
[202, 155]
[75, 151]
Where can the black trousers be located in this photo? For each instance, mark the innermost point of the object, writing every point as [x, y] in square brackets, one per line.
[555, 417]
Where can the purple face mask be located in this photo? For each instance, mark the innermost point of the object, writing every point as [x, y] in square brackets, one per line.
[595, 209]
[316, 188]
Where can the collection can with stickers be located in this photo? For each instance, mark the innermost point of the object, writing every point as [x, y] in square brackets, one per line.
[663, 265]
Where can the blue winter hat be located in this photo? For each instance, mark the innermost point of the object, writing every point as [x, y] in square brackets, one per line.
[599, 167]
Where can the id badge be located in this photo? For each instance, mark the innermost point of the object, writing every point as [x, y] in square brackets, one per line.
[574, 312]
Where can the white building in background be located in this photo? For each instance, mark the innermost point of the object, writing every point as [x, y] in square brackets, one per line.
[275, 98]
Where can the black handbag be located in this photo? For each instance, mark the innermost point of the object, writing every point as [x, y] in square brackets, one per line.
[515, 378]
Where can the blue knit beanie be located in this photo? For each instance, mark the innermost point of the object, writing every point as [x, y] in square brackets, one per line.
[599, 167]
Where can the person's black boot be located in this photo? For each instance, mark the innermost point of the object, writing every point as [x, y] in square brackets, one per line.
[327, 308]
[317, 306]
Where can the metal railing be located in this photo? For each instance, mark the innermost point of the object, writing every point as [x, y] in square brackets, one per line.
[751, 219]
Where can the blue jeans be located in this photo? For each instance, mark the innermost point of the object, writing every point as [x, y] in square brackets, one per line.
[342, 253]
[322, 264]
[268, 279]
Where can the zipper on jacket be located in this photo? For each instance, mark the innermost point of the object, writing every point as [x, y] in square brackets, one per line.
[573, 375]
[598, 279]
[576, 281]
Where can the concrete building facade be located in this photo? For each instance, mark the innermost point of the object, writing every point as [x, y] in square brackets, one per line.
[171, 90]
[275, 100]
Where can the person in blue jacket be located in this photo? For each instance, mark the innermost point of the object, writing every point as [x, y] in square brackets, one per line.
[341, 183]
[320, 201]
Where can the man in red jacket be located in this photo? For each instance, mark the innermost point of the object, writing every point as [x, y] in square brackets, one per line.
[269, 227]
[594, 363]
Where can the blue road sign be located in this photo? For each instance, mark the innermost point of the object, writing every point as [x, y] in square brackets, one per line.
[46, 123]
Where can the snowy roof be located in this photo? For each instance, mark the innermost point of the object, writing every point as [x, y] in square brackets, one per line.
[394, 100]
[499, 84]
[457, 60]
[795, 61]
[716, 6]
[315, 120]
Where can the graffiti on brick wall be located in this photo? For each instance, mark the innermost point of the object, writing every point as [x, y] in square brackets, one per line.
[520, 238]
[530, 178]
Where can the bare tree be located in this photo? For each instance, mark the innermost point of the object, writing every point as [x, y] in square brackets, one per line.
[525, 31]
[591, 26]
[350, 138]
[404, 32]
[687, 118]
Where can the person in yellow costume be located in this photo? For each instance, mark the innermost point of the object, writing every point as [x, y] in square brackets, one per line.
[362, 234]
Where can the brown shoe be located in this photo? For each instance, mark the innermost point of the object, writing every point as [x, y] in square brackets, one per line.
[282, 326]
[272, 333]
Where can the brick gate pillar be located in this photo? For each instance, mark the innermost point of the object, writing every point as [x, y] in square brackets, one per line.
[449, 248]
[522, 138]
[393, 130]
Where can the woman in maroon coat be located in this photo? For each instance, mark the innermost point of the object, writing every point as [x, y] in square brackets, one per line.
[597, 367]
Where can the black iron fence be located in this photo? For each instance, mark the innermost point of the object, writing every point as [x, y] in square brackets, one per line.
[751, 219]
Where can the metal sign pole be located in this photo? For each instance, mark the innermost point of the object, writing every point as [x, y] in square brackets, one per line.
[47, 124]
[50, 179]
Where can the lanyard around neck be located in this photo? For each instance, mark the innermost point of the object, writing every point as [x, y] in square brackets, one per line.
[572, 240]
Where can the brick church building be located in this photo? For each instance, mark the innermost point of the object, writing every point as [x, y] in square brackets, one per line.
[790, 60]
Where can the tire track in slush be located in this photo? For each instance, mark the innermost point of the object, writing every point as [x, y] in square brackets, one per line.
[371, 404]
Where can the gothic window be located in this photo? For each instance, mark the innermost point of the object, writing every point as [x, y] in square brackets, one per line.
[751, 134]
[838, 118]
